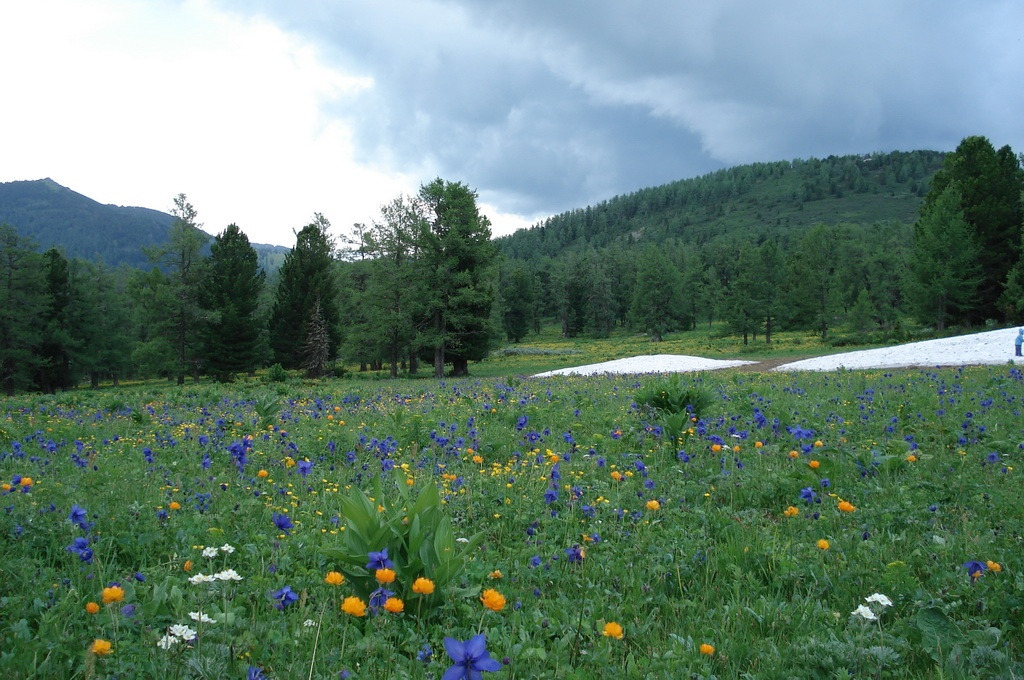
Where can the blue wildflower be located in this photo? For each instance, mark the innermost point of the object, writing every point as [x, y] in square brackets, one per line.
[975, 569]
[78, 517]
[283, 522]
[470, 658]
[379, 560]
[575, 554]
[80, 546]
[284, 597]
[379, 597]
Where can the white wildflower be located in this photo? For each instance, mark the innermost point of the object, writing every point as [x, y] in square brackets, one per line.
[201, 617]
[865, 612]
[309, 623]
[166, 642]
[209, 552]
[880, 599]
[182, 631]
[228, 575]
[201, 578]
[226, 548]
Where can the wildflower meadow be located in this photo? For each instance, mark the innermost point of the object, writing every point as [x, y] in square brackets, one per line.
[718, 525]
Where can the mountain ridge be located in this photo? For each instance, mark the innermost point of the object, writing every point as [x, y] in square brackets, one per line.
[53, 215]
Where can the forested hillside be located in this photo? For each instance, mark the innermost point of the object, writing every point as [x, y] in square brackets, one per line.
[856, 250]
[52, 215]
[852, 247]
[743, 202]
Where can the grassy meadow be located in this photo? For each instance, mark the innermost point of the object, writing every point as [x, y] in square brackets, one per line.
[814, 525]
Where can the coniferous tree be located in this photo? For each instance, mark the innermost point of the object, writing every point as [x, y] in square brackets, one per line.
[518, 296]
[600, 302]
[743, 299]
[173, 313]
[59, 345]
[229, 297]
[22, 305]
[657, 298]
[771, 274]
[944, 280]
[105, 322]
[316, 350]
[812, 281]
[457, 258]
[989, 185]
[394, 293]
[308, 274]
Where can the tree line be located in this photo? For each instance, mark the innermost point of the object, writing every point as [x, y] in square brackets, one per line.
[959, 263]
[423, 283]
[418, 285]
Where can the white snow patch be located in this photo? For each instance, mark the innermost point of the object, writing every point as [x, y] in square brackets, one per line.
[991, 347]
[649, 363]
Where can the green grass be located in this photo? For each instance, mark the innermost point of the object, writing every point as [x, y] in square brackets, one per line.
[684, 542]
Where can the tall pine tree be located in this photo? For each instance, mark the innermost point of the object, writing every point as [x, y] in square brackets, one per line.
[22, 305]
[989, 185]
[944, 268]
[229, 298]
[457, 257]
[307, 275]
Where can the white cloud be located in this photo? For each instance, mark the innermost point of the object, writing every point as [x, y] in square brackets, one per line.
[134, 102]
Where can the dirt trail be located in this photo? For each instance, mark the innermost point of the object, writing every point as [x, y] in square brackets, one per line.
[765, 365]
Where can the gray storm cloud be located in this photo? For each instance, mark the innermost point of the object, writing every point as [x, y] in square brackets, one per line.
[547, 106]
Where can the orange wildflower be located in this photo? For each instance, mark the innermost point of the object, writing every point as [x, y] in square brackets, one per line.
[354, 606]
[112, 594]
[101, 647]
[612, 630]
[493, 600]
[423, 586]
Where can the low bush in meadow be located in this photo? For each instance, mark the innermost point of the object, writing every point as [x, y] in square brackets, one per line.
[845, 524]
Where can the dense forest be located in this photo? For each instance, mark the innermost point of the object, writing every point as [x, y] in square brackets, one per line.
[853, 248]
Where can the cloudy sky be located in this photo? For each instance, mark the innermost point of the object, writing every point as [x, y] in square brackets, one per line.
[265, 112]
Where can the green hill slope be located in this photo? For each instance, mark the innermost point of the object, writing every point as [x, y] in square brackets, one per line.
[743, 201]
[55, 216]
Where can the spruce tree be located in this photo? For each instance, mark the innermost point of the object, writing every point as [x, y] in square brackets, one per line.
[989, 185]
[457, 257]
[944, 269]
[657, 297]
[22, 305]
[229, 297]
[307, 275]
